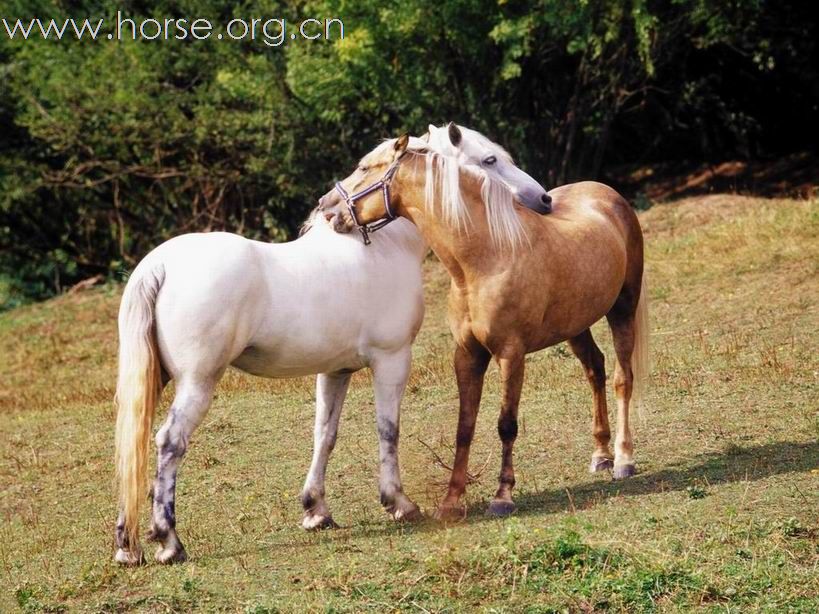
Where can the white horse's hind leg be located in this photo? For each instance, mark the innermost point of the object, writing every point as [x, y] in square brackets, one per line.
[187, 411]
[390, 372]
[331, 389]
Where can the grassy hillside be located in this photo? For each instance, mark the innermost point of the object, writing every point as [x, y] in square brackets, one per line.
[724, 514]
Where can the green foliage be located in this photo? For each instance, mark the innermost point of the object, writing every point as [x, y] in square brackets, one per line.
[696, 492]
[109, 148]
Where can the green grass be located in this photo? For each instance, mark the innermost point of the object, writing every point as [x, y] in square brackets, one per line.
[722, 517]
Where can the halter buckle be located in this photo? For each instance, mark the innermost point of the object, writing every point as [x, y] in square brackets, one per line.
[365, 234]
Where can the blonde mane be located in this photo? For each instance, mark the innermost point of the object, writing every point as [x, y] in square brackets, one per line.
[443, 186]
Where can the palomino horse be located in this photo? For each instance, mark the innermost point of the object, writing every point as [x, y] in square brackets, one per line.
[520, 282]
[321, 304]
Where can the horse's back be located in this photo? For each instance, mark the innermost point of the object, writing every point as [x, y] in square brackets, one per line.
[581, 202]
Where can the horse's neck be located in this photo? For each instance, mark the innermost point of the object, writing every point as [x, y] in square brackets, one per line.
[463, 253]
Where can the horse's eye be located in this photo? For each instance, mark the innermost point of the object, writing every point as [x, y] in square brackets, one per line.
[490, 160]
[363, 168]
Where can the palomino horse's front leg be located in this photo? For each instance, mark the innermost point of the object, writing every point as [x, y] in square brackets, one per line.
[511, 369]
[187, 411]
[470, 368]
[331, 389]
[390, 374]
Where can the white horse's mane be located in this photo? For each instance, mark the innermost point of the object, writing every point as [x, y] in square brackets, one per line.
[443, 181]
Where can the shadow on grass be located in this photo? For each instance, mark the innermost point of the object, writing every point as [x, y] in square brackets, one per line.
[737, 464]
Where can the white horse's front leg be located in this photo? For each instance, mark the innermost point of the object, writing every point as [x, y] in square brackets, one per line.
[390, 373]
[331, 389]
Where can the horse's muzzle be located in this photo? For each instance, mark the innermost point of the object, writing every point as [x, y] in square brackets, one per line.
[545, 204]
[332, 209]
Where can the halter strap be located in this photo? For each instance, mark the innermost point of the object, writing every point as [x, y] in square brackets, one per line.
[382, 184]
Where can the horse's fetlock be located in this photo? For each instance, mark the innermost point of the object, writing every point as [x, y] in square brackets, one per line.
[157, 534]
[121, 536]
[310, 499]
[506, 480]
[387, 501]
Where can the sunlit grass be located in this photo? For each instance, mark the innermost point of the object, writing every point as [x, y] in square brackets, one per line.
[723, 514]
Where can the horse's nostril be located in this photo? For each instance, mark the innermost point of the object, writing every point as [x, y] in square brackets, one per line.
[329, 216]
[546, 199]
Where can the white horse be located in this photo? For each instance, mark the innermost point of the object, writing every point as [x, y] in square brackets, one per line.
[325, 303]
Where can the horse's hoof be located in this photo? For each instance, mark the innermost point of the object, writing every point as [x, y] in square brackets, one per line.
[450, 513]
[624, 471]
[600, 463]
[412, 514]
[318, 523]
[169, 556]
[500, 508]
[128, 558]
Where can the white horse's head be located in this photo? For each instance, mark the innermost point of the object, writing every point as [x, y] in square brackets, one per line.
[472, 149]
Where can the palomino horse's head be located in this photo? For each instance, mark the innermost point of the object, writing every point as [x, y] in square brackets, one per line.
[349, 204]
[369, 198]
[472, 149]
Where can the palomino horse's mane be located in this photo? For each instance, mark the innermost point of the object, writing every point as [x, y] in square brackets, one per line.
[443, 180]
[443, 184]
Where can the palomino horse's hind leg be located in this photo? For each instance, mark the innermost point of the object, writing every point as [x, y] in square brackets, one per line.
[622, 329]
[470, 368]
[331, 389]
[187, 411]
[593, 362]
[511, 369]
[390, 374]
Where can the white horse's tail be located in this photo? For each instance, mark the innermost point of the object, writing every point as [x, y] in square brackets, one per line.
[138, 386]
[640, 355]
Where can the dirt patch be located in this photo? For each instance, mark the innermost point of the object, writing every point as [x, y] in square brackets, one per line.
[795, 175]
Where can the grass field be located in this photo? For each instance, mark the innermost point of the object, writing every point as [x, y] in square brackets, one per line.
[723, 516]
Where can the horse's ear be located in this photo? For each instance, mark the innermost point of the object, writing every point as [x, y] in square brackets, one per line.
[431, 129]
[454, 134]
[401, 143]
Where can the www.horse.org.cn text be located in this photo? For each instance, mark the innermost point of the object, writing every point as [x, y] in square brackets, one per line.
[272, 32]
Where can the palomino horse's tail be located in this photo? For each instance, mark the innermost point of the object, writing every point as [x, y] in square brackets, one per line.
[640, 357]
[138, 388]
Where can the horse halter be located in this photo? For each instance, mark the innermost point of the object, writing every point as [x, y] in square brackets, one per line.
[382, 184]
